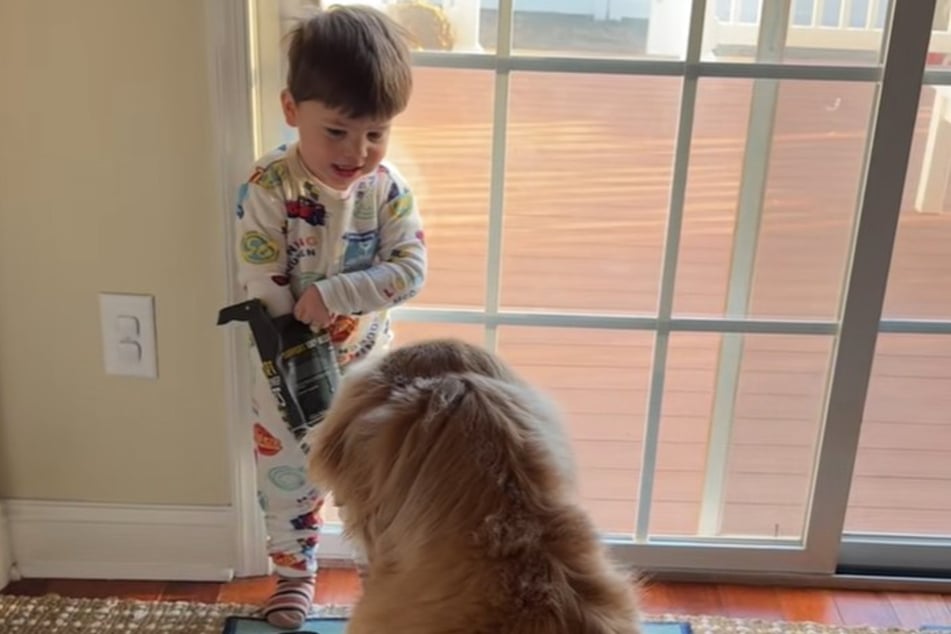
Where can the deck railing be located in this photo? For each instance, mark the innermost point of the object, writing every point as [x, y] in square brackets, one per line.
[833, 25]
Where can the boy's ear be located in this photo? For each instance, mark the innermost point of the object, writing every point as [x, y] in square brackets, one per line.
[289, 106]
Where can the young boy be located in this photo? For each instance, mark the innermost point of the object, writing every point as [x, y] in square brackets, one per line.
[328, 232]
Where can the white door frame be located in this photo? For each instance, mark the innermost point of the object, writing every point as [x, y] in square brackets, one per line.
[229, 73]
[6, 551]
[234, 101]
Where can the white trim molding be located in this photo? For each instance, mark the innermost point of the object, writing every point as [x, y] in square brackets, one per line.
[233, 100]
[866, 280]
[6, 553]
[229, 72]
[115, 541]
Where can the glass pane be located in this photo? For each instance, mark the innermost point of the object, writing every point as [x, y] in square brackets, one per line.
[449, 122]
[790, 241]
[455, 25]
[803, 12]
[831, 13]
[587, 191]
[685, 423]
[599, 380]
[902, 479]
[939, 53]
[600, 29]
[826, 33]
[921, 262]
[407, 332]
[434, 25]
[751, 445]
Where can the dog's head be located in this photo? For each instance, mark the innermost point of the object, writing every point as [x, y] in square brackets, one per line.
[436, 437]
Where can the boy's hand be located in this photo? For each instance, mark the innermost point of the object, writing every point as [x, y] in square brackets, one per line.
[311, 309]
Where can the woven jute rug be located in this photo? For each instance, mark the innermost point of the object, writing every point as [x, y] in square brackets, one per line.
[53, 614]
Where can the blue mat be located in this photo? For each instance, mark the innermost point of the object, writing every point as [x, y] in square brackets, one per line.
[246, 625]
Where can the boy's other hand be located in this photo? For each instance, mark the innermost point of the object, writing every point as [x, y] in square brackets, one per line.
[311, 309]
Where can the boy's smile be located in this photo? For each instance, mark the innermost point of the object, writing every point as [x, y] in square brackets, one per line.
[336, 148]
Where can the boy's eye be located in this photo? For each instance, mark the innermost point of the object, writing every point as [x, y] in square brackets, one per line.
[377, 136]
[336, 132]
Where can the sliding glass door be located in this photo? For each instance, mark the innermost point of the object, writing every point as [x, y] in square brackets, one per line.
[677, 217]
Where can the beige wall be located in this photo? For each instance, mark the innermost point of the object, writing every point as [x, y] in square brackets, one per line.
[107, 184]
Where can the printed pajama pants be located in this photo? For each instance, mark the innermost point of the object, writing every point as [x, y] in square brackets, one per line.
[290, 503]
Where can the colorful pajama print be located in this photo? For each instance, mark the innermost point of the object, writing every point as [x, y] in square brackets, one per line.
[290, 503]
[364, 250]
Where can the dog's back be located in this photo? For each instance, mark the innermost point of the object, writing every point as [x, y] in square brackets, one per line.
[565, 583]
[470, 514]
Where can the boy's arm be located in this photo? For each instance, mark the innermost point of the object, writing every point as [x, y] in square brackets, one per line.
[401, 273]
[262, 249]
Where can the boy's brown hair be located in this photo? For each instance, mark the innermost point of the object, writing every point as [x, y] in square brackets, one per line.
[352, 58]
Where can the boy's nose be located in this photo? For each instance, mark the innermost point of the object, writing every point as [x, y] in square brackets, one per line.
[358, 150]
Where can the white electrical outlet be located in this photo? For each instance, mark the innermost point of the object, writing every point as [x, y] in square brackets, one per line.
[128, 334]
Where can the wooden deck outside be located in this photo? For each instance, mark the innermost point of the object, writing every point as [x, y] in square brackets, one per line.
[588, 173]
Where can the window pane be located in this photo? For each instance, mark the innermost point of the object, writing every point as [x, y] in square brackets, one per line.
[902, 479]
[600, 29]
[443, 145]
[939, 53]
[902, 472]
[689, 384]
[433, 25]
[791, 245]
[408, 332]
[818, 32]
[772, 390]
[921, 262]
[831, 13]
[439, 26]
[599, 381]
[587, 191]
[803, 12]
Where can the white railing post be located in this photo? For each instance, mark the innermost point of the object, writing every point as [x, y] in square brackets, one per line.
[844, 12]
[770, 48]
[464, 15]
[936, 166]
[667, 28]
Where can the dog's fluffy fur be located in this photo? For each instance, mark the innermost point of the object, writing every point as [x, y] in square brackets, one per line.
[456, 479]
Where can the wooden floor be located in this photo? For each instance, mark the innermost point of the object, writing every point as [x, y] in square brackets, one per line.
[587, 182]
[342, 587]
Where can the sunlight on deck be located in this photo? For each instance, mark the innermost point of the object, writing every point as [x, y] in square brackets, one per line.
[589, 163]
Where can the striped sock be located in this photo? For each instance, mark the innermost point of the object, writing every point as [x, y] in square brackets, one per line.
[290, 604]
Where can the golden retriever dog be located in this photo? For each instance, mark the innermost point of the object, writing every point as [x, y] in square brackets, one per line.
[456, 479]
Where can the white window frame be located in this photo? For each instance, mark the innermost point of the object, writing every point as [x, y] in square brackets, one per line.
[239, 105]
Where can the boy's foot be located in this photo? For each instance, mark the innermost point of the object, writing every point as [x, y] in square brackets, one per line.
[291, 602]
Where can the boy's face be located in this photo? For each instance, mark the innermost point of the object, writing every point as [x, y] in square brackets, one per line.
[337, 149]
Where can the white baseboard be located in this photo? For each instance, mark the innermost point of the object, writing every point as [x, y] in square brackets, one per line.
[335, 550]
[113, 541]
[6, 557]
[73, 540]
